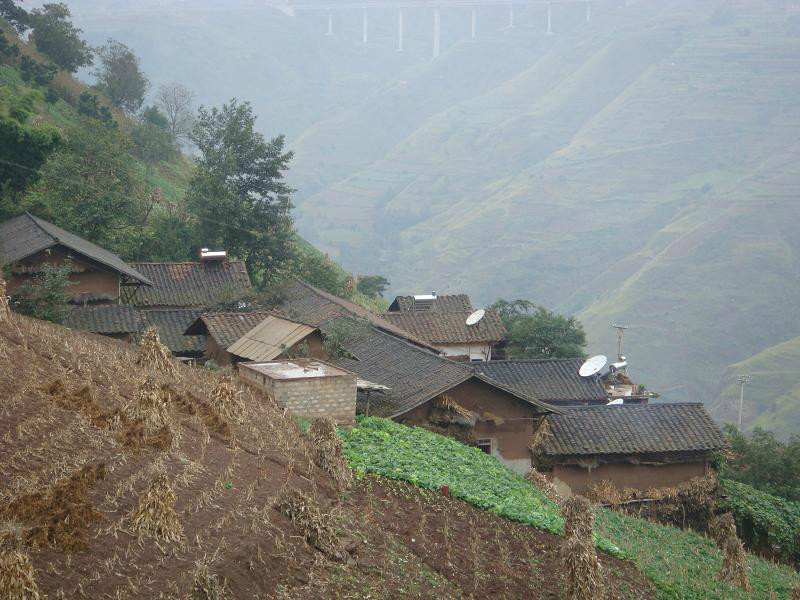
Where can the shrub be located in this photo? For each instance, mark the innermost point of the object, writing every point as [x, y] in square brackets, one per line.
[44, 297]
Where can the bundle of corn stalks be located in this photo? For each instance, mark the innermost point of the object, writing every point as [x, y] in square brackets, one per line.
[226, 399]
[150, 406]
[156, 512]
[734, 560]
[318, 528]
[582, 578]
[447, 405]
[5, 310]
[327, 449]
[796, 592]
[207, 586]
[544, 485]
[155, 355]
[541, 435]
[16, 577]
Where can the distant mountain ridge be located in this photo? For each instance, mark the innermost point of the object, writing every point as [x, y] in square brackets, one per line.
[640, 167]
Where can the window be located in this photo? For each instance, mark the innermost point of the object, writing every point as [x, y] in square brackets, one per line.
[485, 445]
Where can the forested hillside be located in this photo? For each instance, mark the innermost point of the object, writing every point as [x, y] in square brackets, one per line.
[639, 167]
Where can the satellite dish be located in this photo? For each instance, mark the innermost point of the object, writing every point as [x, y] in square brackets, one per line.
[592, 366]
[476, 316]
[617, 401]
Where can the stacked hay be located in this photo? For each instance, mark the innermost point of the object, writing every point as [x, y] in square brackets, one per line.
[544, 485]
[150, 406]
[318, 528]
[16, 577]
[734, 559]
[156, 512]
[796, 592]
[327, 450]
[582, 578]
[226, 399]
[207, 586]
[5, 309]
[155, 355]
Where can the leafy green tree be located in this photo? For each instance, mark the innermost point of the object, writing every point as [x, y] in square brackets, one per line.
[8, 50]
[318, 270]
[44, 297]
[89, 105]
[90, 186]
[57, 38]
[36, 73]
[372, 286]
[23, 148]
[153, 143]
[535, 332]
[764, 462]
[120, 77]
[16, 16]
[238, 194]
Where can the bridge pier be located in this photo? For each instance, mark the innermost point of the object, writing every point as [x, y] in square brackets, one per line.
[549, 19]
[364, 28]
[511, 15]
[474, 23]
[400, 30]
[436, 32]
[330, 24]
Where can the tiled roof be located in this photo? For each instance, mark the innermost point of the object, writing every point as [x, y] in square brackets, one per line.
[449, 303]
[188, 284]
[105, 319]
[226, 327]
[449, 327]
[413, 375]
[553, 380]
[110, 319]
[632, 429]
[305, 303]
[171, 323]
[25, 235]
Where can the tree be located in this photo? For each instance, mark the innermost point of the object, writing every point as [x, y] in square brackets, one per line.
[152, 139]
[89, 106]
[16, 16]
[535, 332]
[90, 186]
[372, 285]
[238, 194]
[33, 72]
[57, 38]
[764, 462]
[120, 76]
[43, 296]
[177, 104]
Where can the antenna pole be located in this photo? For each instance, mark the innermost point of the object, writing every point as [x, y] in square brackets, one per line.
[620, 336]
[742, 380]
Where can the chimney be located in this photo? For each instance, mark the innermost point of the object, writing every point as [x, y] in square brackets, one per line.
[207, 256]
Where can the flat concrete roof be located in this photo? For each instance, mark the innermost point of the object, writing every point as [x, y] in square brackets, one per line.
[302, 368]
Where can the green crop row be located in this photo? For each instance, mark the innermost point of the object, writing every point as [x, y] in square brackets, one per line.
[680, 564]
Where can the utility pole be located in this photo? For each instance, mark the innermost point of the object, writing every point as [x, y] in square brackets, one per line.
[620, 336]
[742, 380]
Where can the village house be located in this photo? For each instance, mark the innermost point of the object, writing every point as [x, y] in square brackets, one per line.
[631, 445]
[414, 386]
[305, 387]
[553, 380]
[443, 322]
[232, 337]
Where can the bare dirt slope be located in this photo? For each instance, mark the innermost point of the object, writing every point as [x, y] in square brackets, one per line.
[125, 481]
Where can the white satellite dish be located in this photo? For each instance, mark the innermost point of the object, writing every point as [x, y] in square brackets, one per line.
[592, 366]
[476, 316]
[617, 401]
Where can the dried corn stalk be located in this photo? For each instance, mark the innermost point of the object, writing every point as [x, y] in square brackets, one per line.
[149, 405]
[226, 399]
[582, 578]
[796, 592]
[16, 577]
[207, 586]
[544, 485]
[5, 310]
[155, 355]
[318, 528]
[156, 512]
[327, 449]
[734, 560]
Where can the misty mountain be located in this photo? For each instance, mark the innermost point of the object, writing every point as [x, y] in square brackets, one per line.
[637, 167]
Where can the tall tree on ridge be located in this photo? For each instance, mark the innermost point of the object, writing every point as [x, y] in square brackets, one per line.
[56, 37]
[177, 104]
[238, 194]
[120, 76]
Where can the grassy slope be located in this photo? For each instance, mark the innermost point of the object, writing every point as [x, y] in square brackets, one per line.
[773, 394]
[680, 564]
